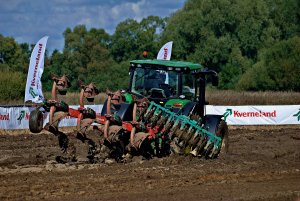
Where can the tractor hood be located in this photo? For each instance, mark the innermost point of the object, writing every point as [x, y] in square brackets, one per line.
[176, 103]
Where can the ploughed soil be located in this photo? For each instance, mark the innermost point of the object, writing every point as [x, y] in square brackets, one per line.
[263, 163]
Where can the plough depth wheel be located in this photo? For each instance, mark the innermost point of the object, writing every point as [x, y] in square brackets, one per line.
[36, 120]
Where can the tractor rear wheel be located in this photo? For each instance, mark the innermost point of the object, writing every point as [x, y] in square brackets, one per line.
[36, 120]
[222, 132]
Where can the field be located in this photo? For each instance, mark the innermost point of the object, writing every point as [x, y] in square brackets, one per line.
[213, 96]
[263, 163]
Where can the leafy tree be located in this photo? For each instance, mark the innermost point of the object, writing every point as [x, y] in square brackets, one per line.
[12, 85]
[54, 67]
[285, 16]
[114, 77]
[132, 38]
[278, 68]
[13, 57]
[253, 44]
[212, 32]
[85, 54]
[237, 65]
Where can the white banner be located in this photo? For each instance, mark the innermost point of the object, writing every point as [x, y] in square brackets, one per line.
[165, 51]
[33, 90]
[18, 117]
[257, 115]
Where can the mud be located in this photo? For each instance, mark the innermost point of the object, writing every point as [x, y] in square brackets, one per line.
[262, 164]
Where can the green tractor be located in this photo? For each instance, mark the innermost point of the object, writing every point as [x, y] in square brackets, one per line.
[176, 90]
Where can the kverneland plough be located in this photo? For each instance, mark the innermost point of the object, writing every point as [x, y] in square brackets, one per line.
[161, 113]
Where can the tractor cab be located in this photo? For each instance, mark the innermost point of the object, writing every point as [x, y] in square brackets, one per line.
[175, 85]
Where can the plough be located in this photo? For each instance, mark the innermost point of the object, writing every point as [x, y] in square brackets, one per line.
[161, 113]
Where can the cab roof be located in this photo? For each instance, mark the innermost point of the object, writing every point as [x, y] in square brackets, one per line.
[166, 63]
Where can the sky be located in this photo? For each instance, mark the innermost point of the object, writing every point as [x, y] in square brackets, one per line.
[29, 20]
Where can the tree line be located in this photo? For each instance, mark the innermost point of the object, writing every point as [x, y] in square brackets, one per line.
[254, 45]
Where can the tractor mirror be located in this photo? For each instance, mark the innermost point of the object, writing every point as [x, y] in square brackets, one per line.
[215, 80]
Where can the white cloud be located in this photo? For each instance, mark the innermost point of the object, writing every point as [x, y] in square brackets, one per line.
[28, 21]
[129, 10]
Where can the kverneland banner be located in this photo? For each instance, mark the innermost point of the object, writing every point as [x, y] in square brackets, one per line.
[165, 51]
[257, 115]
[18, 117]
[33, 90]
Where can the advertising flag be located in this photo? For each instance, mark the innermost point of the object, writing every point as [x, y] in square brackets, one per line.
[33, 90]
[165, 52]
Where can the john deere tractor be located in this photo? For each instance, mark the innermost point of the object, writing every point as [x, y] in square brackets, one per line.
[175, 114]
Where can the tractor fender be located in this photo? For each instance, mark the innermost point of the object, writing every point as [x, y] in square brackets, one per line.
[191, 109]
[211, 123]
